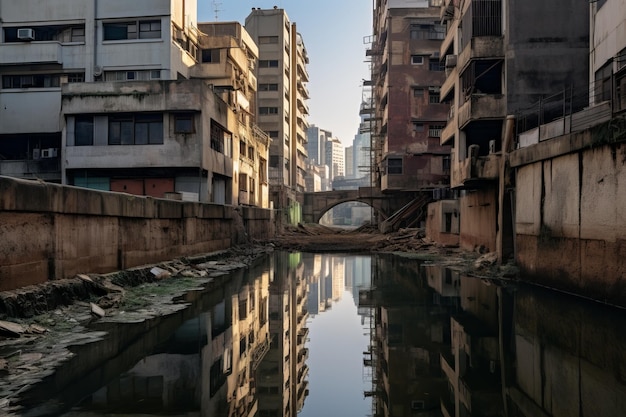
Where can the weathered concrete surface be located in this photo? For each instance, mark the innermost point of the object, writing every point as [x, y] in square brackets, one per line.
[478, 220]
[436, 222]
[570, 222]
[52, 232]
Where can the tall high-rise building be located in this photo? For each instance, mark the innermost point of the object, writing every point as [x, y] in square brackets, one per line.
[406, 80]
[502, 57]
[349, 161]
[316, 144]
[282, 101]
[335, 157]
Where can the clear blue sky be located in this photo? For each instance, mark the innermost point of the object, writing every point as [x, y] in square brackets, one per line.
[333, 32]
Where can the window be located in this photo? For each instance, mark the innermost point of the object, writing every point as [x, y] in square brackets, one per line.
[418, 126]
[417, 59]
[141, 75]
[394, 166]
[242, 148]
[58, 33]
[83, 131]
[31, 81]
[273, 134]
[134, 29]
[268, 63]
[434, 65]
[434, 131]
[183, 123]
[76, 77]
[429, 31]
[268, 87]
[221, 139]
[434, 95]
[445, 163]
[144, 129]
[274, 161]
[243, 186]
[268, 39]
[603, 82]
[268, 110]
[418, 92]
[210, 55]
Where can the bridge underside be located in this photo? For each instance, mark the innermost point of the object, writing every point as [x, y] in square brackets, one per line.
[315, 205]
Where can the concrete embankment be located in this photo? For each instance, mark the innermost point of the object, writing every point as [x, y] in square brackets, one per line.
[51, 232]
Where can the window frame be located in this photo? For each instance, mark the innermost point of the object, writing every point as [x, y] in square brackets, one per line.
[87, 140]
[395, 168]
[184, 117]
[134, 30]
[132, 129]
[416, 61]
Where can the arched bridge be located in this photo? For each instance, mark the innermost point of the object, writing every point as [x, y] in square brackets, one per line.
[317, 204]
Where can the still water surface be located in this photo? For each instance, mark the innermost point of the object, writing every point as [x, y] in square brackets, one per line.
[327, 335]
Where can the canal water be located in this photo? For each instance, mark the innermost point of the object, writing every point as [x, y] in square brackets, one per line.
[302, 334]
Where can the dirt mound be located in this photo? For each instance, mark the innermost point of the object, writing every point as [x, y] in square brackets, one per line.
[367, 238]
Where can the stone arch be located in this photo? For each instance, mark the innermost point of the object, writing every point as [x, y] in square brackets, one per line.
[319, 214]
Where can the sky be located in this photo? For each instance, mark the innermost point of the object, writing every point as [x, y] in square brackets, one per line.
[333, 32]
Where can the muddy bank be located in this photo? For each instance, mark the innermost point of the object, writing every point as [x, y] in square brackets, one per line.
[106, 290]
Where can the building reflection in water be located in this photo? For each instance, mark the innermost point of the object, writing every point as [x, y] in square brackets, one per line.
[452, 345]
[441, 344]
[282, 375]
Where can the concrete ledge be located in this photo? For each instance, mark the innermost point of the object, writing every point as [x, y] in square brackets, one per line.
[50, 231]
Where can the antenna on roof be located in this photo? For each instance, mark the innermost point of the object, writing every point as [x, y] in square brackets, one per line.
[216, 9]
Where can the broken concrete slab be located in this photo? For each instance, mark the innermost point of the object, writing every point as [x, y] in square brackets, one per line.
[97, 311]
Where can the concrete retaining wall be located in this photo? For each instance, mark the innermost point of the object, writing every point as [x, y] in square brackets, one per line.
[570, 222]
[49, 231]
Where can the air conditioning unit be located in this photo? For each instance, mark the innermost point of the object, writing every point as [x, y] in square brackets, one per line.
[26, 34]
[49, 153]
[450, 61]
[36, 153]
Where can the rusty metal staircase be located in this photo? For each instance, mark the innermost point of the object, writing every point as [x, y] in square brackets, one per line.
[409, 215]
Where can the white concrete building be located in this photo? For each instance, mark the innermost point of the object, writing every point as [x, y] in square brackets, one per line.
[335, 158]
[66, 41]
[116, 109]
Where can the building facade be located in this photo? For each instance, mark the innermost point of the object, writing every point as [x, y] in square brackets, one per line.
[282, 101]
[87, 68]
[406, 114]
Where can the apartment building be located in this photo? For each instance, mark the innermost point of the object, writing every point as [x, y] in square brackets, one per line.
[568, 173]
[406, 114]
[86, 69]
[499, 60]
[282, 101]
[68, 42]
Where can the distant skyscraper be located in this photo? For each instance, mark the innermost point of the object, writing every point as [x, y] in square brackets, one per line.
[335, 157]
[350, 171]
[316, 144]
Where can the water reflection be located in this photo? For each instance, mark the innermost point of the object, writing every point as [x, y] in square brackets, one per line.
[382, 335]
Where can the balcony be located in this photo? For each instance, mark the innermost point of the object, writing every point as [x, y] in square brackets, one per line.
[470, 172]
[481, 107]
[448, 132]
[32, 53]
[447, 88]
[481, 47]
